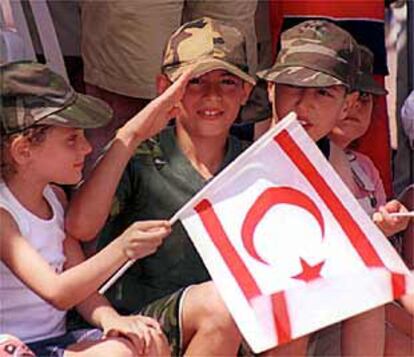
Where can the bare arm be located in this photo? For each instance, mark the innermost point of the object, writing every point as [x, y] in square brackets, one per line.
[74, 285]
[97, 310]
[89, 208]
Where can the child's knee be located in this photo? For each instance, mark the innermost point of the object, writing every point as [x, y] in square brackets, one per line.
[210, 311]
[119, 347]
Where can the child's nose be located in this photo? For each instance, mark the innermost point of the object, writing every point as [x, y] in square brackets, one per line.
[303, 104]
[212, 90]
[86, 146]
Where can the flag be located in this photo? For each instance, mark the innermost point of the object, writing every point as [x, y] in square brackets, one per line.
[286, 243]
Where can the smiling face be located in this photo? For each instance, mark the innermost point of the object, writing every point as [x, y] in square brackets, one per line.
[356, 122]
[211, 103]
[60, 158]
[318, 109]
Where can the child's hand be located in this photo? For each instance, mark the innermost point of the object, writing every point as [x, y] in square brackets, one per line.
[391, 225]
[156, 115]
[142, 238]
[142, 331]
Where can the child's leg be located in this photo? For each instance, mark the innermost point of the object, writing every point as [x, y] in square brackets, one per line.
[90, 342]
[295, 348]
[108, 347]
[208, 328]
[364, 334]
[115, 347]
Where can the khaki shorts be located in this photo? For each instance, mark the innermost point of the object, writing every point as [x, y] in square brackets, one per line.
[122, 41]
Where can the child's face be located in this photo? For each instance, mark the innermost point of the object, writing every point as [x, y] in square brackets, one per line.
[356, 122]
[212, 102]
[318, 109]
[60, 158]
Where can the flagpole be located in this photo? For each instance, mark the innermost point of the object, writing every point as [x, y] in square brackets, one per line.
[116, 276]
[402, 214]
[129, 263]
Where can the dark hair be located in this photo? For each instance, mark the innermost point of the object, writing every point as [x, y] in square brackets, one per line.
[35, 135]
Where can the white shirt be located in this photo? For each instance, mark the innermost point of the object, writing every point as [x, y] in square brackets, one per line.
[22, 312]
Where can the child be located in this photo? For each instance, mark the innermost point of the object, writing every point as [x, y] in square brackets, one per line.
[313, 75]
[163, 174]
[154, 178]
[42, 270]
[357, 170]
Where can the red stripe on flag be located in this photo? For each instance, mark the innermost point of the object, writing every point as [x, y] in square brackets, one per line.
[219, 237]
[355, 235]
[398, 285]
[281, 318]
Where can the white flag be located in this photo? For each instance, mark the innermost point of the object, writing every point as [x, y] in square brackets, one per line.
[288, 246]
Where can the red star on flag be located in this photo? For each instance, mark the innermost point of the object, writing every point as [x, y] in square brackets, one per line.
[309, 272]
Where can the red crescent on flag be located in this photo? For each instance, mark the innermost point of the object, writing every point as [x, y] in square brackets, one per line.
[269, 198]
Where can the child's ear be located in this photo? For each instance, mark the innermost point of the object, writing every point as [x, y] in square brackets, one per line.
[350, 100]
[162, 83]
[20, 150]
[271, 92]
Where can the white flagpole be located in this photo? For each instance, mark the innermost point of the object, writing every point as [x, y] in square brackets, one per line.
[402, 214]
[116, 276]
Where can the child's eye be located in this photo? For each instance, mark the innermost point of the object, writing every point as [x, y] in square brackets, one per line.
[364, 96]
[324, 92]
[229, 81]
[194, 81]
[72, 139]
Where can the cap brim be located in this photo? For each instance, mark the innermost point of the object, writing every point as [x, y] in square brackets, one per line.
[299, 76]
[211, 64]
[365, 83]
[83, 112]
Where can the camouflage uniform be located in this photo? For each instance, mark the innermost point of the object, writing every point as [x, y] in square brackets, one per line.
[365, 81]
[32, 94]
[315, 53]
[159, 179]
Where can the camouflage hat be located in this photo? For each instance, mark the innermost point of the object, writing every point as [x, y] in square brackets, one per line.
[365, 82]
[315, 53]
[32, 94]
[207, 44]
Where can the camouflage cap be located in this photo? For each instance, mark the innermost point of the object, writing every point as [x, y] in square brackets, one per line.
[207, 44]
[33, 94]
[315, 53]
[365, 81]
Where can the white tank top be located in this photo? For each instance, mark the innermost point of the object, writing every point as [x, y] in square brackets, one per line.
[22, 312]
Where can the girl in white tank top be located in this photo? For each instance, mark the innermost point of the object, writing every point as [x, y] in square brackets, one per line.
[42, 271]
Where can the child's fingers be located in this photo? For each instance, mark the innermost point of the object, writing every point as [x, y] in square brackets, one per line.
[150, 322]
[137, 338]
[111, 333]
[182, 81]
[151, 224]
[156, 235]
[384, 211]
[377, 218]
